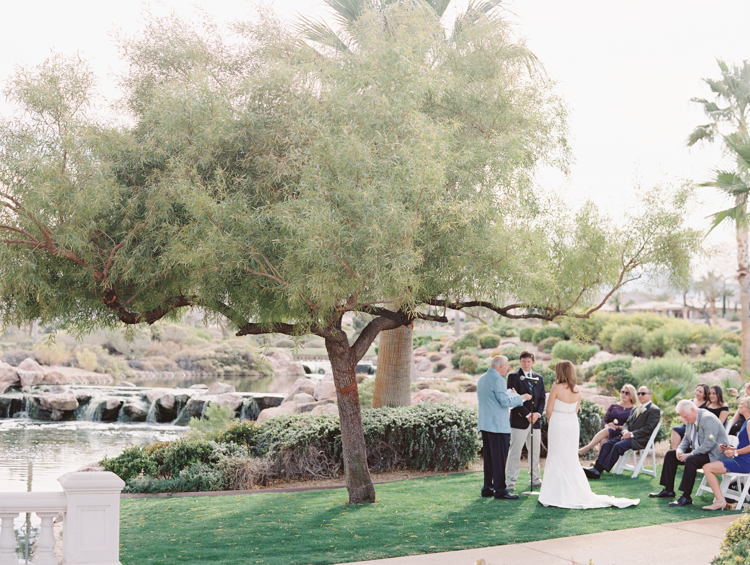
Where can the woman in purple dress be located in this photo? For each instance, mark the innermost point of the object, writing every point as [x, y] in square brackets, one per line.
[739, 462]
[614, 419]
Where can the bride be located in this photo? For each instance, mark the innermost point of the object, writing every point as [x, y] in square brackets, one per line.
[565, 485]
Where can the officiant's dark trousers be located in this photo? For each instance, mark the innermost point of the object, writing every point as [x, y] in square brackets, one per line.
[692, 464]
[495, 455]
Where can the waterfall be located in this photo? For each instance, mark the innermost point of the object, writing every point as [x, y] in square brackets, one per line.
[151, 416]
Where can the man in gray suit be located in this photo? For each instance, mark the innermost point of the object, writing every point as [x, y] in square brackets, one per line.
[495, 401]
[704, 432]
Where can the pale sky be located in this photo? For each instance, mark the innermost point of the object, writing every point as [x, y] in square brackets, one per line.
[627, 71]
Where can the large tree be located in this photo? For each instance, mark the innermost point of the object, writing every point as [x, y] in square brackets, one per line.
[281, 189]
[728, 111]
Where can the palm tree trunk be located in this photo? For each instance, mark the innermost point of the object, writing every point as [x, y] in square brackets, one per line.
[393, 375]
[356, 473]
[743, 276]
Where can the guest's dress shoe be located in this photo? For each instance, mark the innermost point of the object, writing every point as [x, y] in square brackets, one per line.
[682, 501]
[718, 505]
[663, 493]
[505, 496]
[592, 473]
[487, 493]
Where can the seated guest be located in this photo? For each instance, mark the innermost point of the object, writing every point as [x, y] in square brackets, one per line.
[739, 462]
[738, 420]
[703, 435]
[635, 435]
[614, 419]
[700, 397]
[716, 404]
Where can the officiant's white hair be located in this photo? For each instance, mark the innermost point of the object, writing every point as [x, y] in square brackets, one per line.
[686, 405]
[499, 361]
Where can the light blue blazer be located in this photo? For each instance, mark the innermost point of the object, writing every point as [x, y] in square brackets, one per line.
[495, 403]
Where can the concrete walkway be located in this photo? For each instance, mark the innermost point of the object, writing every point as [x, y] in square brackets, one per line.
[695, 542]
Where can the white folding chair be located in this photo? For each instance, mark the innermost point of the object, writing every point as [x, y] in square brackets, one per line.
[639, 459]
[743, 481]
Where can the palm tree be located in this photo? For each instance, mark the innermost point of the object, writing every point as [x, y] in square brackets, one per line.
[730, 107]
[395, 349]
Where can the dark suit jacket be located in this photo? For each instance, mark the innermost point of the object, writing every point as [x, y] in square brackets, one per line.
[643, 425]
[518, 415]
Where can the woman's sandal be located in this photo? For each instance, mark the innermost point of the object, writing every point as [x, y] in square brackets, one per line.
[718, 505]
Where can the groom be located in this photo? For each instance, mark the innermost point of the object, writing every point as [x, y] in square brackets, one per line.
[494, 424]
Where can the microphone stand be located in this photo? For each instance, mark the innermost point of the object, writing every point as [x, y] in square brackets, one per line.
[533, 381]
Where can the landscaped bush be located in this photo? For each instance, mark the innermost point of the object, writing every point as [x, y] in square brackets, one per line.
[489, 341]
[671, 337]
[736, 545]
[730, 343]
[704, 365]
[547, 331]
[548, 375]
[16, 356]
[628, 339]
[548, 343]
[504, 328]
[195, 478]
[230, 357]
[526, 334]
[468, 363]
[585, 330]
[366, 389]
[512, 352]
[131, 463]
[420, 340]
[624, 362]
[574, 352]
[51, 352]
[467, 341]
[665, 371]
[612, 378]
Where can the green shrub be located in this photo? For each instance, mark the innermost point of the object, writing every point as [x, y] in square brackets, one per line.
[585, 330]
[731, 344]
[131, 463]
[182, 453]
[526, 334]
[366, 389]
[548, 343]
[195, 478]
[482, 330]
[482, 367]
[547, 331]
[229, 357]
[574, 352]
[467, 341]
[512, 352]
[704, 365]
[51, 353]
[664, 371]
[436, 346]
[611, 379]
[664, 339]
[489, 341]
[468, 363]
[215, 421]
[624, 362]
[504, 328]
[420, 340]
[736, 545]
[548, 375]
[628, 339]
[241, 433]
[86, 359]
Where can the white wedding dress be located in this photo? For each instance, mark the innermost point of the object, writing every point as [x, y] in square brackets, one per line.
[564, 483]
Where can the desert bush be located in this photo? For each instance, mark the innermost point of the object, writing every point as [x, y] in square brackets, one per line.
[664, 371]
[435, 346]
[176, 333]
[585, 330]
[468, 363]
[215, 421]
[547, 331]
[420, 340]
[467, 341]
[130, 343]
[548, 343]
[735, 548]
[86, 359]
[245, 473]
[548, 374]
[489, 341]
[16, 356]
[284, 343]
[366, 389]
[526, 334]
[704, 365]
[512, 352]
[184, 452]
[51, 352]
[612, 378]
[131, 463]
[730, 347]
[198, 477]
[574, 352]
[504, 328]
[672, 337]
[461, 377]
[230, 357]
[628, 339]
[624, 362]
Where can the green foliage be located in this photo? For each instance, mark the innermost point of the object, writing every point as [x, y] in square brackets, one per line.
[489, 341]
[735, 548]
[574, 352]
[182, 453]
[548, 374]
[731, 344]
[547, 331]
[87, 359]
[667, 394]
[131, 463]
[628, 339]
[611, 379]
[585, 330]
[467, 341]
[468, 363]
[420, 340]
[590, 420]
[366, 389]
[198, 477]
[527, 334]
[241, 433]
[548, 343]
[675, 337]
[665, 371]
[512, 352]
[624, 362]
[215, 421]
[704, 365]
[230, 357]
[504, 328]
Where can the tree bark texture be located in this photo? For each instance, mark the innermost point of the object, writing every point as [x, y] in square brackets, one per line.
[393, 375]
[357, 475]
[743, 277]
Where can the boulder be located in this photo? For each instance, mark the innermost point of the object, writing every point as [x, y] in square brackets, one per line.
[325, 409]
[325, 389]
[8, 377]
[420, 352]
[154, 394]
[220, 388]
[111, 409]
[721, 375]
[30, 372]
[62, 402]
[302, 385]
[283, 363]
[301, 398]
[200, 386]
[429, 395]
[57, 378]
[284, 409]
[231, 399]
[423, 366]
[134, 411]
[310, 406]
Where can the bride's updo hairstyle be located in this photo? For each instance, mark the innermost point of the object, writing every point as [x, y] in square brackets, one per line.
[565, 373]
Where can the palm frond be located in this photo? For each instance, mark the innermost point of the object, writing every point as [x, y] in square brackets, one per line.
[346, 12]
[440, 6]
[318, 31]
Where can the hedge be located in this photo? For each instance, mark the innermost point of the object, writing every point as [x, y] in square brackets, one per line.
[574, 352]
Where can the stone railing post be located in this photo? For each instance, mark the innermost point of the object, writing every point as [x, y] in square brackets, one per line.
[7, 539]
[92, 521]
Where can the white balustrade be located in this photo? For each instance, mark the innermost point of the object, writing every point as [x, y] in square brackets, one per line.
[90, 504]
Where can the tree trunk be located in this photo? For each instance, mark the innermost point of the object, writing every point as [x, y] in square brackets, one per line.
[393, 375]
[343, 364]
[743, 276]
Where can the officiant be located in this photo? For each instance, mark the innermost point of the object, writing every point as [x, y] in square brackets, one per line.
[525, 420]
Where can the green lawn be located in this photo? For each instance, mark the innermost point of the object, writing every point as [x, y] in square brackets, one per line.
[424, 515]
